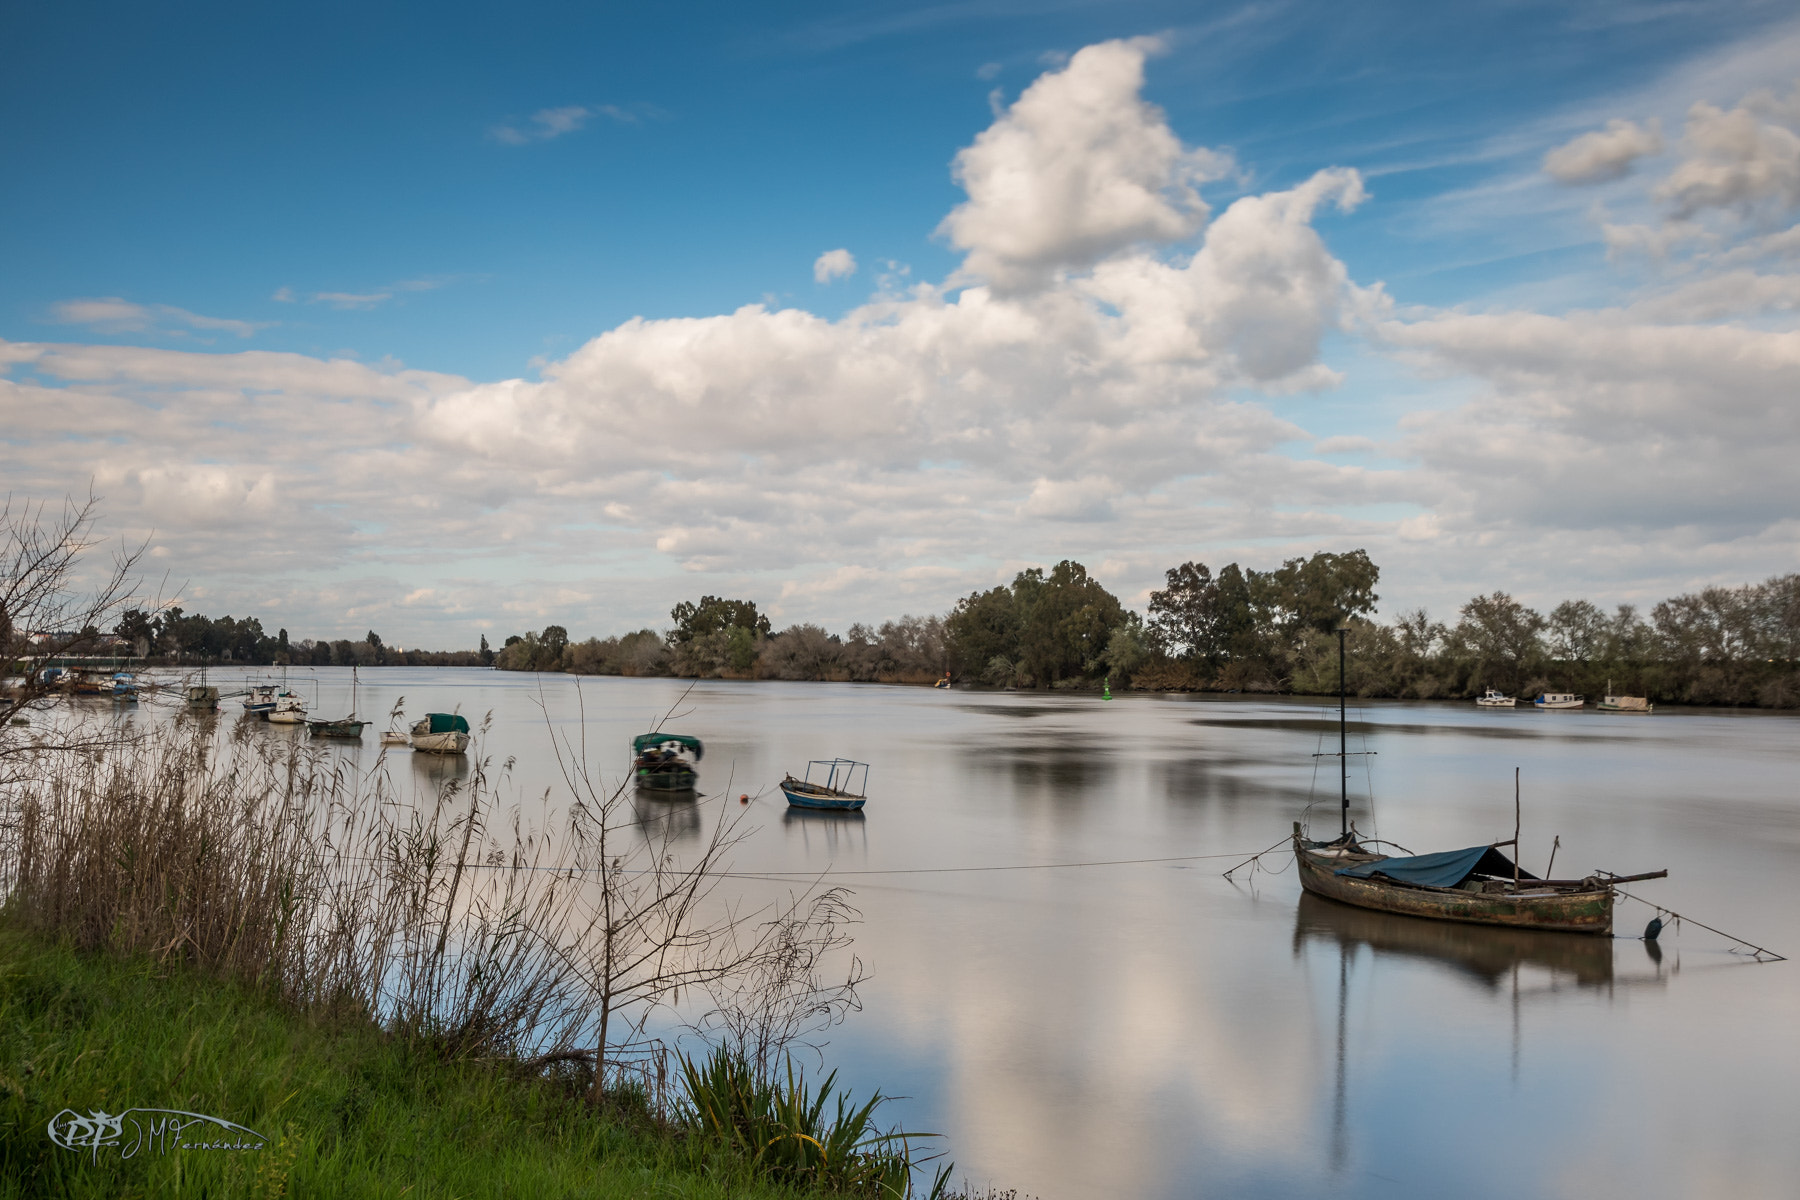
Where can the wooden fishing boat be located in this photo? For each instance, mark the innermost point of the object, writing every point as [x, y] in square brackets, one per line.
[346, 727]
[441, 733]
[1475, 885]
[836, 793]
[661, 764]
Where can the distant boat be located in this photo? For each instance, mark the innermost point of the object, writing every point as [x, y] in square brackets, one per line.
[661, 764]
[393, 737]
[289, 710]
[1624, 704]
[944, 682]
[125, 686]
[347, 727]
[87, 683]
[260, 700]
[202, 696]
[838, 790]
[1559, 700]
[441, 733]
[1494, 698]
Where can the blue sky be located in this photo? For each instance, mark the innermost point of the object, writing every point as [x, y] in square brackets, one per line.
[480, 193]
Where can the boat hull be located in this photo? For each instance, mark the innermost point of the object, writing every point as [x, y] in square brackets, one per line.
[336, 729]
[822, 800]
[1588, 911]
[1509, 702]
[452, 742]
[290, 717]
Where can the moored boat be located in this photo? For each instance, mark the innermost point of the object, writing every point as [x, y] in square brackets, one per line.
[202, 696]
[1475, 885]
[289, 709]
[441, 733]
[259, 701]
[660, 761]
[125, 686]
[836, 792]
[344, 727]
[1559, 700]
[1624, 704]
[393, 737]
[1495, 698]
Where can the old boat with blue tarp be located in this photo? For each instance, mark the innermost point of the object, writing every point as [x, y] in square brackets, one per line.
[441, 733]
[1477, 885]
[661, 761]
[836, 792]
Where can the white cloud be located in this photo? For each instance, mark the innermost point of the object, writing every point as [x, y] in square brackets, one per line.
[1077, 169]
[1604, 154]
[1107, 395]
[1742, 159]
[110, 314]
[547, 124]
[834, 264]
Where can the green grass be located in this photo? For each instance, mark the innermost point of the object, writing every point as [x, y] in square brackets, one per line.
[349, 1111]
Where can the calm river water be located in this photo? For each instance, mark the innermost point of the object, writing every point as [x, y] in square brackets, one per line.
[1151, 1029]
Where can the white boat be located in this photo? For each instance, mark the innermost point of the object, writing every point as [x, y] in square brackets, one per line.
[441, 733]
[1492, 698]
[1624, 704]
[393, 737]
[289, 710]
[1559, 700]
[260, 700]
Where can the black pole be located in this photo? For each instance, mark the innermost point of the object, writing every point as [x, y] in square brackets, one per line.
[1343, 745]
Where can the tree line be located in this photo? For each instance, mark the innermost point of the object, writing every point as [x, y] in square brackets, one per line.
[175, 637]
[1239, 629]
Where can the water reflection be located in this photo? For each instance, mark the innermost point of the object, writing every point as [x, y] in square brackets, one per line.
[1479, 954]
[440, 769]
[829, 835]
[665, 817]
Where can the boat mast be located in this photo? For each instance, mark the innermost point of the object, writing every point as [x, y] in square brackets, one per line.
[1343, 745]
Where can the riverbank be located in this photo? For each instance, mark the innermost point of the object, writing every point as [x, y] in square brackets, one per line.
[346, 1110]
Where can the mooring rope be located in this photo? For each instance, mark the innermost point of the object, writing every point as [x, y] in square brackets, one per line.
[1756, 951]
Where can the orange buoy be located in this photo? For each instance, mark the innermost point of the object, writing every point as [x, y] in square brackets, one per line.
[744, 799]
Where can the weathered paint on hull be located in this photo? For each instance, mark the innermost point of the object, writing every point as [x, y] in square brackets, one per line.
[1561, 912]
[453, 742]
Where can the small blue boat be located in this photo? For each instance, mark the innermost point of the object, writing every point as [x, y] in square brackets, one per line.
[837, 793]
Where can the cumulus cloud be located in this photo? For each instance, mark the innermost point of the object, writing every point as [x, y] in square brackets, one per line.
[834, 264]
[1603, 154]
[1746, 158]
[1093, 382]
[1077, 169]
[110, 314]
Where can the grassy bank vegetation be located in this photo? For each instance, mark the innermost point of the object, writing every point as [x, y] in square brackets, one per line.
[420, 997]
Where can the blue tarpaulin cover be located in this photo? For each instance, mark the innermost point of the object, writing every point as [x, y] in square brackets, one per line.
[1445, 869]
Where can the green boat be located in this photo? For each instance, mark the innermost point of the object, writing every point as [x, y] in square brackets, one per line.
[344, 727]
[661, 763]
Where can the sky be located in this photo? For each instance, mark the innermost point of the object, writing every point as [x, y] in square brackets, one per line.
[452, 320]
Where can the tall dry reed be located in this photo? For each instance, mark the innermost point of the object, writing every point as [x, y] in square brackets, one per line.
[444, 917]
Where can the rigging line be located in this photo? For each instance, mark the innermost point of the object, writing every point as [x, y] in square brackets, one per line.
[568, 870]
[1760, 951]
